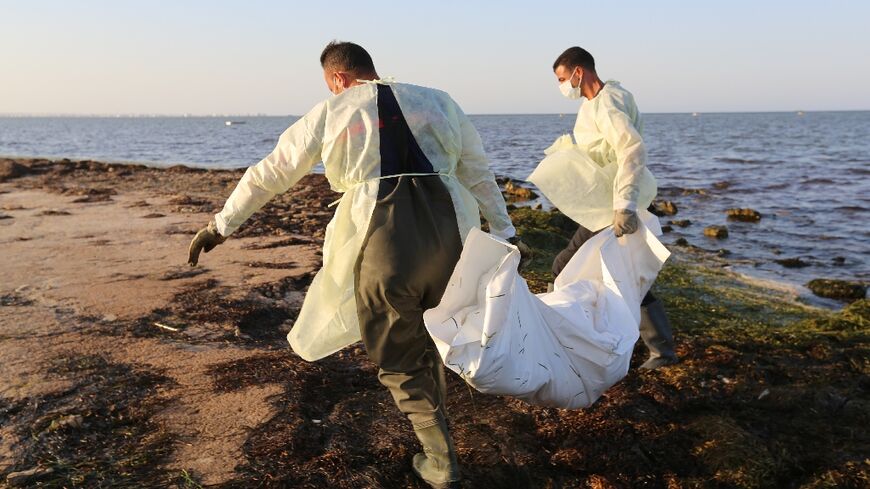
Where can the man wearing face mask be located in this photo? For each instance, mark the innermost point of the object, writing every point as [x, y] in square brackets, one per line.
[414, 176]
[608, 129]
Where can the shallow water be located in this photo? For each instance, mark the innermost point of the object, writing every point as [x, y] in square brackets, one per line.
[809, 175]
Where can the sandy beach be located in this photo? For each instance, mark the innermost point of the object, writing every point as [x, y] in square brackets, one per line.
[124, 367]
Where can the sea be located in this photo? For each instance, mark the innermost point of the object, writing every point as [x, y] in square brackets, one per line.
[807, 173]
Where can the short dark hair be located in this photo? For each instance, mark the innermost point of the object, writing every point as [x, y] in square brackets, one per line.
[574, 57]
[346, 56]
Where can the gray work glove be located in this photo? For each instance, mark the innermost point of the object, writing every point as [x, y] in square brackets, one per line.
[624, 222]
[526, 253]
[205, 240]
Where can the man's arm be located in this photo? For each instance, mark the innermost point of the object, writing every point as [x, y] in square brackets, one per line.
[474, 173]
[620, 133]
[297, 152]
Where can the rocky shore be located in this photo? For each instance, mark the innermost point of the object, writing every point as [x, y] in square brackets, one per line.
[122, 366]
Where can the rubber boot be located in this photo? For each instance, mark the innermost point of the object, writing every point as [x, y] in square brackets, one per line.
[437, 465]
[655, 330]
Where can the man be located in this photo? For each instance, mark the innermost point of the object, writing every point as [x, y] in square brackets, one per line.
[414, 173]
[609, 128]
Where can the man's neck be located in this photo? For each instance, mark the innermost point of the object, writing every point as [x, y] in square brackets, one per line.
[590, 88]
[368, 77]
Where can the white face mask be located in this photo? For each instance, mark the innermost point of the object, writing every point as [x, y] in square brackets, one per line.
[570, 90]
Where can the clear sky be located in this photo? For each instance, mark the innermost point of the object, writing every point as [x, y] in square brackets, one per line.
[244, 57]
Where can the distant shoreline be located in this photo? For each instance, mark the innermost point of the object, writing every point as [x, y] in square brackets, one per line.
[219, 116]
[121, 175]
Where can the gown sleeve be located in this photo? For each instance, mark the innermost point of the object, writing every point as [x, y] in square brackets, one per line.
[474, 174]
[296, 153]
[615, 124]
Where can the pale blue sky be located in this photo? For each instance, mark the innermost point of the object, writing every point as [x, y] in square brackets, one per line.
[203, 57]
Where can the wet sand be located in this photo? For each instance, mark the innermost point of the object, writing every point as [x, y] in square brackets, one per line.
[123, 366]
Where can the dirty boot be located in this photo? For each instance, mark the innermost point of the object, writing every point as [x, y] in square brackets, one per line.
[655, 330]
[437, 465]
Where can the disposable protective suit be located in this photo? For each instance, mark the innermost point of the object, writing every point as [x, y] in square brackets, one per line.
[606, 168]
[343, 132]
[605, 171]
[413, 173]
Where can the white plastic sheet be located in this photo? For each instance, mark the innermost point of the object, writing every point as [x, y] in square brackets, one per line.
[562, 348]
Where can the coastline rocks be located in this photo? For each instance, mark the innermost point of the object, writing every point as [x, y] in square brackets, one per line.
[663, 208]
[10, 169]
[792, 262]
[680, 223]
[837, 289]
[26, 477]
[743, 215]
[519, 193]
[718, 232]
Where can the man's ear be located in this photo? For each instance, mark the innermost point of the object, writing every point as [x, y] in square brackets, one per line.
[345, 80]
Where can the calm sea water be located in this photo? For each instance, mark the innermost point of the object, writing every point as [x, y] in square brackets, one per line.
[809, 175]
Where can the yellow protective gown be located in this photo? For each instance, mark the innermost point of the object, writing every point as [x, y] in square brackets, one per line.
[606, 168]
[342, 131]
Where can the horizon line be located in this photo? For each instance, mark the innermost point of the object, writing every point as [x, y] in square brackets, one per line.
[182, 116]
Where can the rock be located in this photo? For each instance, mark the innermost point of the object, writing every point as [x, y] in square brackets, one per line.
[663, 208]
[10, 169]
[667, 229]
[53, 212]
[838, 289]
[681, 242]
[519, 192]
[186, 200]
[792, 262]
[183, 169]
[73, 421]
[25, 477]
[745, 215]
[694, 191]
[718, 232]
[681, 223]
[723, 252]
[721, 185]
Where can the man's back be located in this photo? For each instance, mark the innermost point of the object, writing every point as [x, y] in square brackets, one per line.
[348, 128]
